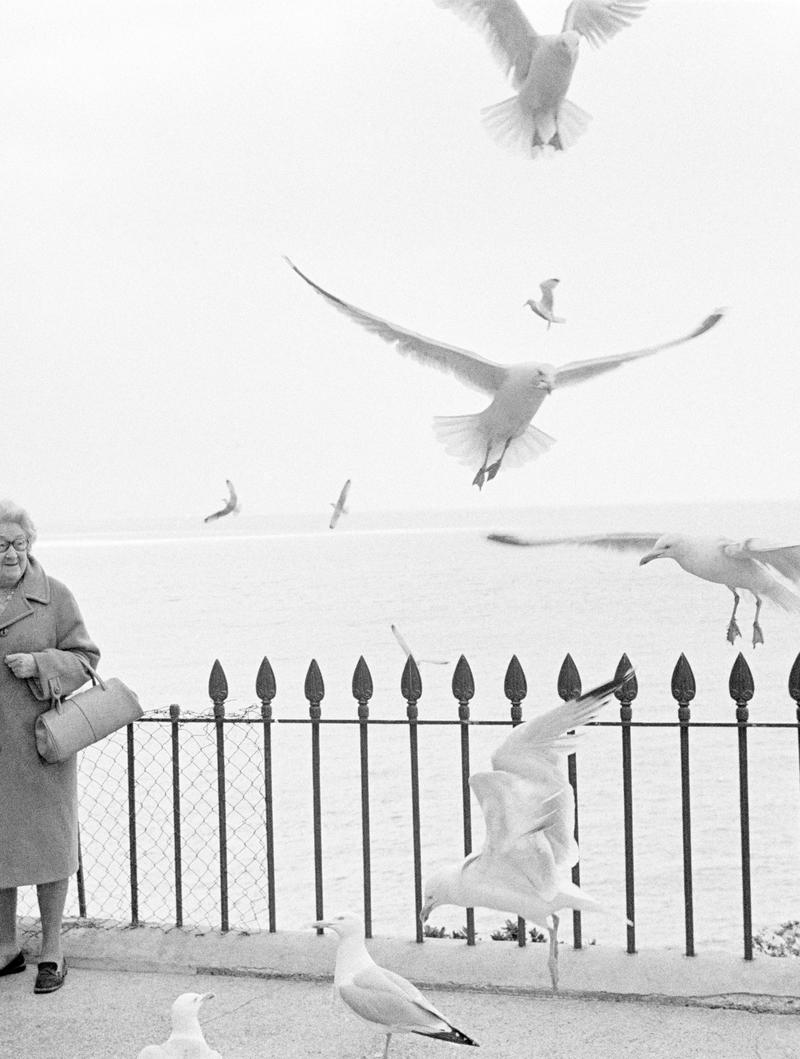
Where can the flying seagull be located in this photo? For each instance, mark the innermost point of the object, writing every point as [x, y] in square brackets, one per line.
[539, 118]
[338, 508]
[528, 806]
[381, 997]
[231, 504]
[544, 307]
[758, 566]
[407, 650]
[186, 1039]
[503, 431]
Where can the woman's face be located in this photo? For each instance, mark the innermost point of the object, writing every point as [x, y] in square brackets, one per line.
[13, 561]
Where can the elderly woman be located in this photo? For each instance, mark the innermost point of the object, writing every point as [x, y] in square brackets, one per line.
[43, 647]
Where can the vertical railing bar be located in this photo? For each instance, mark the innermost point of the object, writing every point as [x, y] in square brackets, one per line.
[625, 694]
[741, 689]
[314, 691]
[577, 925]
[219, 714]
[81, 881]
[466, 805]
[515, 689]
[366, 862]
[174, 714]
[132, 828]
[411, 688]
[269, 826]
[683, 691]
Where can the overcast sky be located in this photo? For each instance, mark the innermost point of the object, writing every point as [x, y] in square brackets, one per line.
[158, 158]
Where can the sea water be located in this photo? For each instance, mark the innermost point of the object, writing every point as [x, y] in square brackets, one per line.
[165, 598]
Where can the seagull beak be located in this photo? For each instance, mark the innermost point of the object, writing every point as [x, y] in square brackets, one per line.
[321, 923]
[424, 912]
[649, 556]
[207, 996]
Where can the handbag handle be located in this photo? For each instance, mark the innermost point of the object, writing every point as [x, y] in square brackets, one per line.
[95, 676]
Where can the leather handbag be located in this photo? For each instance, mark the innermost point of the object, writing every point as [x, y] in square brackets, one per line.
[85, 717]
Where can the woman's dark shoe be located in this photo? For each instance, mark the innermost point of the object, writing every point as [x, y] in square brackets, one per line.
[14, 965]
[49, 977]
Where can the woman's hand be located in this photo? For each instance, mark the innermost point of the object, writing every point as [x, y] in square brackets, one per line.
[21, 665]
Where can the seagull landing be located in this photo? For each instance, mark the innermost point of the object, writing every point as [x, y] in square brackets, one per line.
[231, 504]
[528, 806]
[766, 570]
[407, 650]
[381, 997]
[338, 508]
[503, 432]
[540, 119]
[186, 1040]
[544, 307]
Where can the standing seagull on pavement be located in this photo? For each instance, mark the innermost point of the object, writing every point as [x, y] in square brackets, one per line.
[544, 307]
[338, 508]
[758, 566]
[528, 806]
[381, 997]
[539, 118]
[503, 431]
[186, 1040]
[231, 504]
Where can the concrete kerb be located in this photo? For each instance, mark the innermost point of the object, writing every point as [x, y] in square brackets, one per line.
[713, 979]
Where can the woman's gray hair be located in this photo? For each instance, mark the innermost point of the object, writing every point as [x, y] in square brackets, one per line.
[11, 512]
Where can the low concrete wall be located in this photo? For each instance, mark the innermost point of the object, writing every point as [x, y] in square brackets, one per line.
[711, 979]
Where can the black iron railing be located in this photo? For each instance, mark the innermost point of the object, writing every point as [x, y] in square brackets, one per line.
[217, 832]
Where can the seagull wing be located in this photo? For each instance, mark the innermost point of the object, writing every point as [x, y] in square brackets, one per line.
[511, 37]
[547, 293]
[385, 998]
[401, 640]
[619, 542]
[785, 558]
[233, 500]
[600, 20]
[580, 370]
[343, 495]
[470, 368]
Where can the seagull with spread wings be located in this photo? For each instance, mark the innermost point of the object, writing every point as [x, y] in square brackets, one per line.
[763, 568]
[339, 508]
[502, 432]
[231, 504]
[528, 806]
[544, 307]
[380, 997]
[539, 117]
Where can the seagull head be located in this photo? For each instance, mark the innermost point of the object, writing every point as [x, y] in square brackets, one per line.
[544, 378]
[186, 1009]
[440, 889]
[666, 547]
[344, 925]
[568, 43]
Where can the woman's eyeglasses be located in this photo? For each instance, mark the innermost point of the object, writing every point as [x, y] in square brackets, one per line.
[20, 544]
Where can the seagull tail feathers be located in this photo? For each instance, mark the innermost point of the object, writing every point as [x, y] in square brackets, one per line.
[454, 1035]
[784, 597]
[530, 132]
[464, 438]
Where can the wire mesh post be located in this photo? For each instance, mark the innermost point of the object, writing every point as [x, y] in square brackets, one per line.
[266, 689]
[683, 691]
[174, 715]
[218, 693]
[625, 695]
[463, 686]
[515, 688]
[314, 693]
[81, 881]
[741, 691]
[132, 827]
[569, 687]
[411, 690]
[794, 691]
[362, 693]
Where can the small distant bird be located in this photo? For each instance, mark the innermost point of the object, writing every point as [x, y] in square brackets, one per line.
[540, 118]
[503, 431]
[407, 650]
[231, 504]
[544, 307]
[338, 508]
[381, 997]
[756, 566]
[186, 1040]
[528, 806]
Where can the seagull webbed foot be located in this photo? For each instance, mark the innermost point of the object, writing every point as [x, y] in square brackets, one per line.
[758, 635]
[492, 470]
[480, 478]
[733, 630]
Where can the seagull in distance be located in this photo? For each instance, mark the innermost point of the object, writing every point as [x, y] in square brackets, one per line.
[380, 997]
[503, 431]
[231, 504]
[539, 118]
[186, 1040]
[525, 865]
[407, 650]
[338, 508]
[763, 568]
[544, 307]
